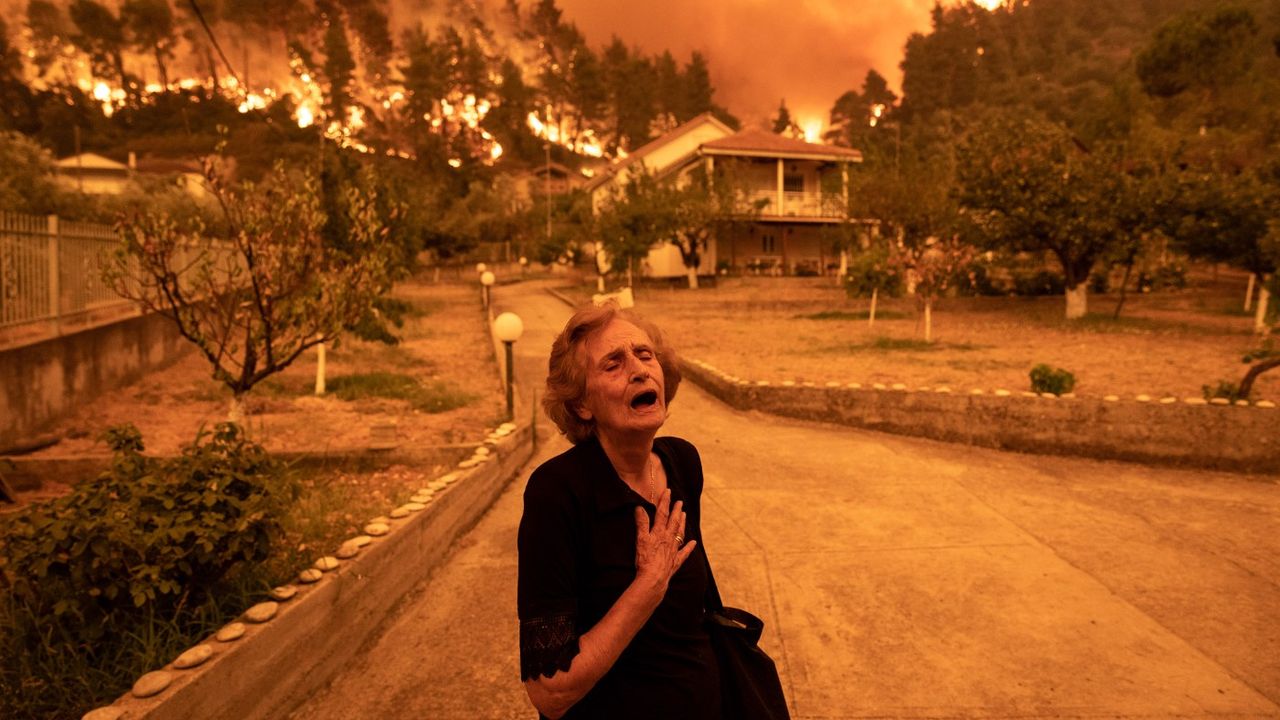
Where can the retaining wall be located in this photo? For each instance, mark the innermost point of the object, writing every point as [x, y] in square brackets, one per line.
[1163, 431]
[42, 382]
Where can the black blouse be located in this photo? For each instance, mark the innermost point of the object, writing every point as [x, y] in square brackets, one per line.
[577, 545]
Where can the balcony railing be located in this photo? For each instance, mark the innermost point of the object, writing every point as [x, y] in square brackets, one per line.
[796, 204]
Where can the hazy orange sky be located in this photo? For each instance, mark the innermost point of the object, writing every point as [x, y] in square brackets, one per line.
[761, 51]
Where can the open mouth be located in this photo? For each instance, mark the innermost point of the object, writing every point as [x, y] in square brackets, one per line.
[644, 400]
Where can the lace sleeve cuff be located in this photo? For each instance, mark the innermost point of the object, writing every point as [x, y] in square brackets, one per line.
[547, 644]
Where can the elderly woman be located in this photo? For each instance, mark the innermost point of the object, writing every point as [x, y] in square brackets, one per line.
[612, 578]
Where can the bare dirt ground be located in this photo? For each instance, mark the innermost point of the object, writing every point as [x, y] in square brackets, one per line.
[444, 347]
[805, 329]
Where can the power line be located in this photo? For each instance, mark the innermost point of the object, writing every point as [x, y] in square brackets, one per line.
[207, 31]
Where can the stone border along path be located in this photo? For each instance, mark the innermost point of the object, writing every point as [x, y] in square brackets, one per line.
[1186, 432]
[279, 651]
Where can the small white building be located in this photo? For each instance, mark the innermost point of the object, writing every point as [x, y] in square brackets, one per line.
[93, 174]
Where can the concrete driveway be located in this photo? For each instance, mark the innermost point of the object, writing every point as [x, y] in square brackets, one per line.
[899, 578]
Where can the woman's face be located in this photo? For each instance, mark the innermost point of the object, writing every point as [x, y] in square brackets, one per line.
[625, 387]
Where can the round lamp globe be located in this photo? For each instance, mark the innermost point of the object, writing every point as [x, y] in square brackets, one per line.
[508, 327]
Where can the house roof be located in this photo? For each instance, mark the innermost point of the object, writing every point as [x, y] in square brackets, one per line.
[90, 161]
[760, 143]
[658, 142]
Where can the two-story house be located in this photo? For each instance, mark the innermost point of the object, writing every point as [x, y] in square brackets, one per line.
[797, 188]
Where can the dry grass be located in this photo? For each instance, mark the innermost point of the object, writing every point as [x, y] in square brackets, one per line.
[805, 329]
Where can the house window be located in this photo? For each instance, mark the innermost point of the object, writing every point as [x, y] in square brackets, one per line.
[793, 183]
[767, 244]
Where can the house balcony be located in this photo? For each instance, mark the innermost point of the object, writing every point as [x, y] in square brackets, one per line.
[792, 206]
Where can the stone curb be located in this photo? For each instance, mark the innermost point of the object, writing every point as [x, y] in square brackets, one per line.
[318, 626]
[1187, 432]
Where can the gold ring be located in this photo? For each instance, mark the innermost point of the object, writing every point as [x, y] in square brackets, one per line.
[679, 539]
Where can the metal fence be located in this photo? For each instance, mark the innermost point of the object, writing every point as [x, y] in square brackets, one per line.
[51, 273]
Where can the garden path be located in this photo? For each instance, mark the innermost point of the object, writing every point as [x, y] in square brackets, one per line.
[898, 577]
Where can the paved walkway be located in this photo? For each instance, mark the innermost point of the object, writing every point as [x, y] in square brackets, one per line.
[900, 578]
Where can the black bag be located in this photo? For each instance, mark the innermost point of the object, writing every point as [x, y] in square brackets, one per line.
[749, 684]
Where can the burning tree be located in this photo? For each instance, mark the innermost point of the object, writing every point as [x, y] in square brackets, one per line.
[265, 285]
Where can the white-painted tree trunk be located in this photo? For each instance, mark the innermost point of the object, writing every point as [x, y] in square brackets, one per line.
[435, 276]
[236, 412]
[928, 321]
[1248, 292]
[600, 283]
[692, 274]
[844, 267]
[1077, 302]
[1260, 316]
[320, 370]
[871, 316]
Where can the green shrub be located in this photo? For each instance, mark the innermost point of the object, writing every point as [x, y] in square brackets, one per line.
[1224, 389]
[1051, 380]
[105, 582]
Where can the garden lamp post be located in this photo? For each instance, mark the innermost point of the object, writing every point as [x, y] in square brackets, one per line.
[508, 328]
[481, 267]
[524, 264]
[486, 281]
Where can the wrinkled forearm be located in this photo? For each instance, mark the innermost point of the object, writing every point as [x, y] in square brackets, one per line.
[598, 649]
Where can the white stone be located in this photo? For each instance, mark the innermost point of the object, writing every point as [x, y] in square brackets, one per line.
[110, 712]
[923, 388]
[346, 551]
[762, 383]
[309, 576]
[360, 540]
[1002, 393]
[854, 386]
[977, 391]
[468, 463]
[193, 657]
[1264, 404]
[1219, 401]
[398, 513]
[1029, 394]
[1068, 396]
[377, 529]
[381, 519]
[1168, 400]
[284, 592]
[1143, 398]
[807, 383]
[234, 631]
[448, 477]
[1242, 403]
[482, 459]
[1195, 401]
[153, 683]
[832, 383]
[878, 386]
[483, 451]
[414, 506]
[1111, 398]
[421, 498]
[264, 611]
[788, 383]
[1048, 395]
[326, 563]
[508, 426]
[943, 389]
[898, 386]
